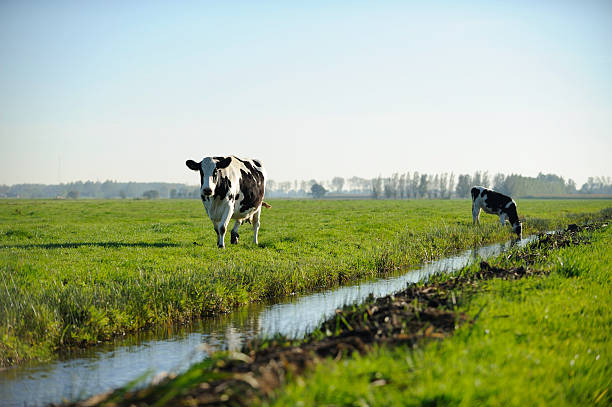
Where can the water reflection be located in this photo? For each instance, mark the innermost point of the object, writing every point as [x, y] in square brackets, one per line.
[80, 374]
[303, 314]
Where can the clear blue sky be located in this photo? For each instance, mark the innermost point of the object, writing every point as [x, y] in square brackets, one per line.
[129, 90]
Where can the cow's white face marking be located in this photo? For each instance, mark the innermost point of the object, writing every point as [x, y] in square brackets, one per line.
[209, 175]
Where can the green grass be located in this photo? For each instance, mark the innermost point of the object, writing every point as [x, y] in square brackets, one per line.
[79, 272]
[545, 340]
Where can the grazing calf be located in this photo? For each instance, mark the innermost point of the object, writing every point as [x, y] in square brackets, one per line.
[496, 204]
[231, 188]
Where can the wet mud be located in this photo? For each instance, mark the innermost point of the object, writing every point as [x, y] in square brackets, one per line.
[425, 311]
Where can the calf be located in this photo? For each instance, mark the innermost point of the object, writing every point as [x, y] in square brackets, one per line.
[497, 204]
[231, 188]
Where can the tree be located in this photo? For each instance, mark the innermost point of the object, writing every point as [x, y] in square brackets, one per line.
[123, 195]
[485, 180]
[476, 179]
[443, 185]
[317, 191]
[423, 185]
[151, 194]
[402, 185]
[451, 184]
[73, 194]
[498, 182]
[391, 186]
[284, 186]
[414, 185]
[358, 184]
[435, 187]
[388, 188]
[464, 185]
[271, 185]
[107, 188]
[377, 187]
[338, 183]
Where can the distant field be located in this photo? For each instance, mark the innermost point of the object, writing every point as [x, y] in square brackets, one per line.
[78, 272]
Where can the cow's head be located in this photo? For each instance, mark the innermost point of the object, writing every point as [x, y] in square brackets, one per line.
[517, 228]
[209, 173]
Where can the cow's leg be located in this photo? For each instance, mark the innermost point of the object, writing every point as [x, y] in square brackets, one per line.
[475, 214]
[222, 226]
[255, 221]
[234, 239]
[502, 219]
[220, 229]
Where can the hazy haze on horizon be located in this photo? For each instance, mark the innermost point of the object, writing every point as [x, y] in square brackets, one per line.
[129, 91]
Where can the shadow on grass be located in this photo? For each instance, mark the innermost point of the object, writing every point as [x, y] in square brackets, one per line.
[76, 245]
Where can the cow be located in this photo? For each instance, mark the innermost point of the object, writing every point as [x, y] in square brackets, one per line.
[231, 188]
[496, 204]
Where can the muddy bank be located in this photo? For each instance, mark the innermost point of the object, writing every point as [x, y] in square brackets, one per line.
[421, 312]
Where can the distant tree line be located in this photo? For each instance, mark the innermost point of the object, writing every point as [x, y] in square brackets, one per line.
[291, 189]
[398, 186]
[106, 189]
[440, 186]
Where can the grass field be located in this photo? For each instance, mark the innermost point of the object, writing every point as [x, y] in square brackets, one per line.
[540, 341]
[79, 272]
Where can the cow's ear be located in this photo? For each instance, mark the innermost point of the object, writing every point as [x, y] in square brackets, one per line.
[223, 162]
[193, 165]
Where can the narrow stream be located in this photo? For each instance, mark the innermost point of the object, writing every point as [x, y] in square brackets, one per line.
[83, 373]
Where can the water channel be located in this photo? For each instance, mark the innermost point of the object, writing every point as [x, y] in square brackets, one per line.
[83, 373]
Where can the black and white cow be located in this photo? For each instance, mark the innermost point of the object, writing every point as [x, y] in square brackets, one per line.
[496, 204]
[231, 188]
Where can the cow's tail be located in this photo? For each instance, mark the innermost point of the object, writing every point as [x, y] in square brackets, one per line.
[266, 205]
